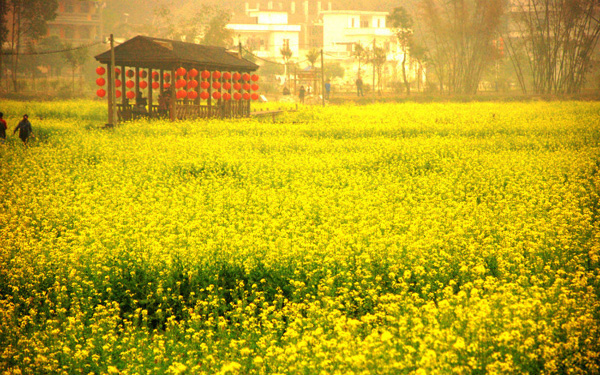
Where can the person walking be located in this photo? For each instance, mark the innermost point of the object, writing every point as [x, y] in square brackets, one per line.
[3, 128]
[359, 86]
[327, 89]
[24, 129]
[301, 93]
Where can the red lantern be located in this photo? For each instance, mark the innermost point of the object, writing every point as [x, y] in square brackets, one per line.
[192, 73]
[254, 96]
[100, 70]
[100, 81]
[155, 76]
[143, 84]
[216, 74]
[216, 95]
[226, 85]
[246, 77]
[118, 93]
[101, 93]
[180, 83]
[181, 94]
[192, 95]
[181, 72]
[130, 94]
[166, 85]
[246, 96]
[155, 85]
[254, 77]
[117, 82]
[227, 96]
[205, 74]
[143, 74]
[254, 87]
[216, 85]
[192, 84]
[247, 86]
[227, 75]
[237, 96]
[204, 84]
[117, 71]
[237, 76]
[130, 84]
[204, 95]
[237, 86]
[129, 73]
[167, 77]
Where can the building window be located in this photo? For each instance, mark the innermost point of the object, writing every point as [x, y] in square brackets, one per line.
[68, 7]
[364, 24]
[84, 7]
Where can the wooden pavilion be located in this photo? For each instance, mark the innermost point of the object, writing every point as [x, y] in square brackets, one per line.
[182, 80]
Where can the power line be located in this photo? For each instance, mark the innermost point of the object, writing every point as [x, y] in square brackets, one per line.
[51, 52]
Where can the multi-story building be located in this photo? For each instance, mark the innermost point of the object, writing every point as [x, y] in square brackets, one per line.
[266, 32]
[77, 21]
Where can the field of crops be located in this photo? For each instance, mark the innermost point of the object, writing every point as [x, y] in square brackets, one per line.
[377, 239]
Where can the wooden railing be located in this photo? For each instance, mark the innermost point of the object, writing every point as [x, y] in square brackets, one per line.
[226, 109]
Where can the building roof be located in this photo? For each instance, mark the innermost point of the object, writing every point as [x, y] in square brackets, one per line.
[147, 52]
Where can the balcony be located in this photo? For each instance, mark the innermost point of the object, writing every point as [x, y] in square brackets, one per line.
[372, 31]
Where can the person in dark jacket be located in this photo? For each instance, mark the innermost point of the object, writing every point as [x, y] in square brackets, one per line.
[24, 129]
[3, 128]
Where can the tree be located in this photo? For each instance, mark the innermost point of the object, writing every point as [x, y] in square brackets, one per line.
[458, 36]
[402, 24]
[204, 24]
[75, 58]
[286, 54]
[312, 56]
[215, 31]
[377, 57]
[3, 30]
[333, 70]
[558, 38]
[359, 53]
[29, 20]
[52, 60]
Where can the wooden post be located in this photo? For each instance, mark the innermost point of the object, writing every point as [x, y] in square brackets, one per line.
[137, 82]
[209, 102]
[123, 87]
[322, 78]
[111, 84]
[173, 105]
[150, 91]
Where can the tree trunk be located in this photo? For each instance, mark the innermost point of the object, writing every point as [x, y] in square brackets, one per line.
[406, 84]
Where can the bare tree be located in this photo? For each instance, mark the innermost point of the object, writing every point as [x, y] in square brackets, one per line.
[29, 20]
[458, 37]
[359, 53]
[558, 37]
[378, 58]
[402, 24]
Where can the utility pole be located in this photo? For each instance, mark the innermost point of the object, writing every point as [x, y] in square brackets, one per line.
[322, 78]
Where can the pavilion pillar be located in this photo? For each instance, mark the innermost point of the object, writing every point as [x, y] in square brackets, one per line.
[123, 81]
[150, 91]
[173, 101]
[137, 83]
[111, 93]
[209, 102]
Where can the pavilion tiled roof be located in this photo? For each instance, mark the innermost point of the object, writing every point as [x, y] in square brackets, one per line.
[147, 52]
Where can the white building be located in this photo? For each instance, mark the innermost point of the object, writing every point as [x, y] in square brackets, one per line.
[265, 32]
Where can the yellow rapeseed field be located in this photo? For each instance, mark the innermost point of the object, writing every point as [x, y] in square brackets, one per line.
[378, 239]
